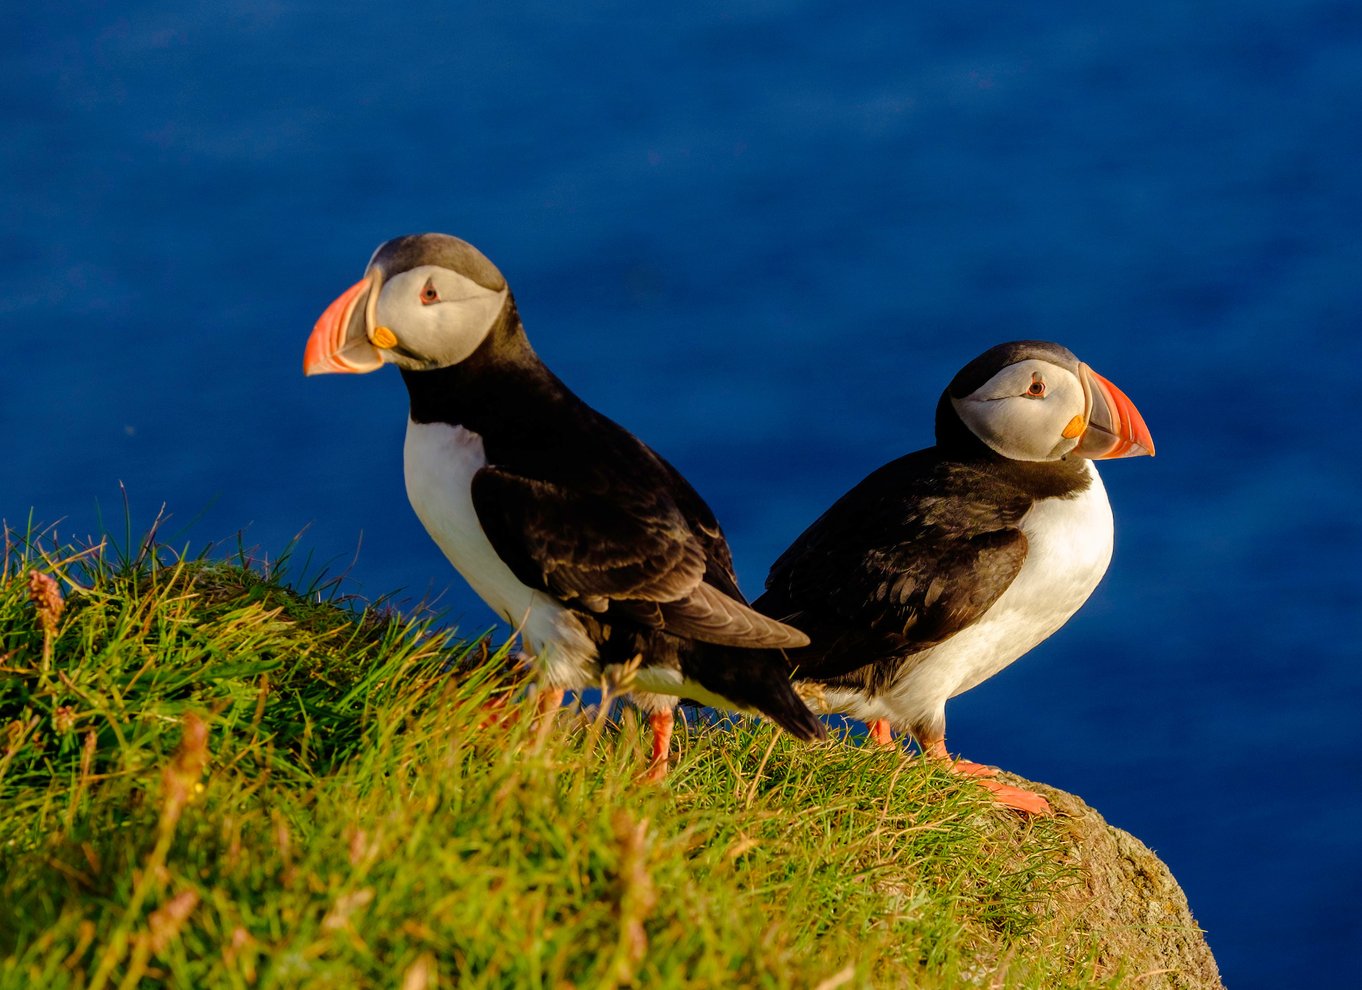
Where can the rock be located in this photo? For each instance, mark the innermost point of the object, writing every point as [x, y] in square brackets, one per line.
[1128, 896]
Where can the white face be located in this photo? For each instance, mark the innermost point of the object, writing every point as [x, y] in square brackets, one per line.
[436, 314]
[1030, 411]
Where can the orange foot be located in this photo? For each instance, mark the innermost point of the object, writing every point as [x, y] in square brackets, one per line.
[661, 723]
[969, 769]
[498, 714]
[1016, 798]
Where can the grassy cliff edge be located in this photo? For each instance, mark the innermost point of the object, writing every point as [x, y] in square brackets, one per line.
[212, 780]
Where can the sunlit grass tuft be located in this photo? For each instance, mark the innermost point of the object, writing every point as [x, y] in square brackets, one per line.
[211, 780]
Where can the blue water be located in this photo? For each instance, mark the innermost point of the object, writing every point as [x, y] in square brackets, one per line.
[763, 236]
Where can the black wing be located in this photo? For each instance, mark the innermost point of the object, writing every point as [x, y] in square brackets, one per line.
[913, 554]
[624, 536]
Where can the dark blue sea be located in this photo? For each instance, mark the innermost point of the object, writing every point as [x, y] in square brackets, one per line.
[763, 236]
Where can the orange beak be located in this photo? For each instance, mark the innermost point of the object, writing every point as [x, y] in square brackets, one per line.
[1115, 427]
[339, 341]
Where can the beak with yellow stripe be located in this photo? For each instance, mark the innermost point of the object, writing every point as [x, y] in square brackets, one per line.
[1033, 400]
[426, 301]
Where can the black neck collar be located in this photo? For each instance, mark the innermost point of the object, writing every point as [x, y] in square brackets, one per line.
[503, 380]
[1043, 479]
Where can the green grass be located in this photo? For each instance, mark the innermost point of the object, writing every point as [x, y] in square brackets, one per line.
[210, 780]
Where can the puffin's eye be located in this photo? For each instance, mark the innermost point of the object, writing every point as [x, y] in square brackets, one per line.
[1036, 389]
[428, 293]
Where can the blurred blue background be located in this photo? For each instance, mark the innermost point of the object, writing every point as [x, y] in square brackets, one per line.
[763, 236]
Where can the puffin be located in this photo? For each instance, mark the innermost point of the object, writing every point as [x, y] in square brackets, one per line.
[944, 566]
[592, 547]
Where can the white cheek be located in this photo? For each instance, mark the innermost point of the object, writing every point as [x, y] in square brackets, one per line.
[442, 333]
[433, 332]
[1019, 428]
[462, 326]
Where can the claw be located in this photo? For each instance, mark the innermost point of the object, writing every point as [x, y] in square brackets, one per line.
[1016, 798]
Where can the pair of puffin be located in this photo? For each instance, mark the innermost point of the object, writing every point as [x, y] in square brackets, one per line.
[929, 576]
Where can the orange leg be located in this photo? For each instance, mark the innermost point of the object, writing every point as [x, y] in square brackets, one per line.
[661, 724]
[500, 714]
[1016, 798]
[550, 700]
[879, 732]
[548, 703]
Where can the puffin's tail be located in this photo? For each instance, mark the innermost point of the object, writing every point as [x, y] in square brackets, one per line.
[756, 680]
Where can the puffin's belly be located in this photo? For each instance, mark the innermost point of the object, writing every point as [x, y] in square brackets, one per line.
[1069, 544]
[439, 461]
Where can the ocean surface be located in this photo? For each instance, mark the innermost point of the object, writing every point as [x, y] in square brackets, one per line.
[763, 236]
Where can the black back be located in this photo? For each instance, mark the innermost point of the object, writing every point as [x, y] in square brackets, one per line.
[916, 552]
[581, 509]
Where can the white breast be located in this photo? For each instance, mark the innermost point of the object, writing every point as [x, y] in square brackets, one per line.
[1069, 544]
[440, 461]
